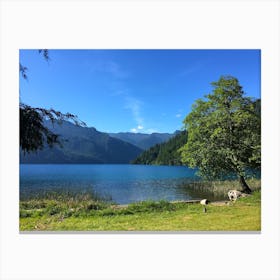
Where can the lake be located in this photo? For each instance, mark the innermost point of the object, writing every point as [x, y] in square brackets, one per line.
[121, 183]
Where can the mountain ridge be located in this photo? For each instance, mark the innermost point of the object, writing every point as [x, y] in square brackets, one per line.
[88, 145]
[143, 140]
[82, 145]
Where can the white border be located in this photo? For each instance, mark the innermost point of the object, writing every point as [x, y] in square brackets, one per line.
[139, 24]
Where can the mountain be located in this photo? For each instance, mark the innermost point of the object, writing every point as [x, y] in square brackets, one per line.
[83, 145]
[142, 140]
[165, 153]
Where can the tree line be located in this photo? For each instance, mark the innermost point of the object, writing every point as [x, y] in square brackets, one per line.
[166, 153]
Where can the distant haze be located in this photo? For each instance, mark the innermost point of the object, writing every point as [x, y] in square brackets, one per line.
[141, 140]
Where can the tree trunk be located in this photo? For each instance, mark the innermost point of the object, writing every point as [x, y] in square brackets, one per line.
[245, 187]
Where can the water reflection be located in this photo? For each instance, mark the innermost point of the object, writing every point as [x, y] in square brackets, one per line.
[122, 184]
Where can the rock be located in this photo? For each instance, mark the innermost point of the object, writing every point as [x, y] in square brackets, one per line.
[235, 194]
[204, 201]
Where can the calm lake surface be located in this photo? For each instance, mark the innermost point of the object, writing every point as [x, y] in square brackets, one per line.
[121, 183]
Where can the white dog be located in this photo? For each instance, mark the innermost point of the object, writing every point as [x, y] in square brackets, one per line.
[234, 194]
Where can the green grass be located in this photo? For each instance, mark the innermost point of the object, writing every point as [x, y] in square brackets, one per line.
[89, 215]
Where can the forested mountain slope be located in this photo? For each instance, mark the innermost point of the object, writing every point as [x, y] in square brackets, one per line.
[164, 154]
[83, 145]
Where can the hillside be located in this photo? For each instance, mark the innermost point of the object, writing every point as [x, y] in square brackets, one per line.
[142, 140]
[83, 145]
[165, 153]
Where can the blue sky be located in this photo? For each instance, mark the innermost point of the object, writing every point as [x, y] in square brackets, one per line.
[132, 90]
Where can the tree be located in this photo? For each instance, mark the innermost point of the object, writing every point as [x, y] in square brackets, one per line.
[33, 133]
[224, 133]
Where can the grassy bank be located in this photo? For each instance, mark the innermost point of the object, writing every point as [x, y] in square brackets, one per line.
[84, 214]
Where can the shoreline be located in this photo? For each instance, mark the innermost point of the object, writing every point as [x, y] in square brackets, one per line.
[192, 201]
[241, 215]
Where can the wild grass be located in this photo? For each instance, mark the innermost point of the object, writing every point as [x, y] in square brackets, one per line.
[84, 215]
[220, 189]
[60, 202]
[62, 194]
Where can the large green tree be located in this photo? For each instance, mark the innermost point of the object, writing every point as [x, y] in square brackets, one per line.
[33, 132]
[224, 133]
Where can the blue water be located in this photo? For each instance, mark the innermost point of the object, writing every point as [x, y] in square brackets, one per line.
[121, 183]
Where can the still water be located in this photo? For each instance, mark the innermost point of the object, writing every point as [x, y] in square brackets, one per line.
[121, 183]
